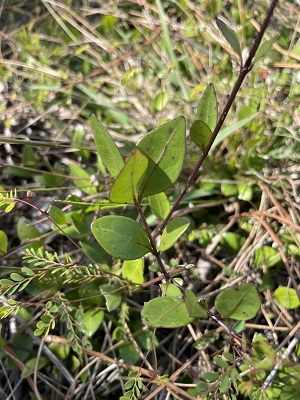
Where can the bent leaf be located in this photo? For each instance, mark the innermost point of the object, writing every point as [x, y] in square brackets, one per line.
[106, 148]
[193, 307]
[200, 134]
[121, 237]
[125, 188]
[166, 312]
[240, 303]
[165, 150]
[208, 107]
[174, 229]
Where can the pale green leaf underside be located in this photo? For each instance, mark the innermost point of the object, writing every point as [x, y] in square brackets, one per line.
[208, 107]
[82, 179]
[174, 229]
[200, 134]
[125, 189]
[193, 307]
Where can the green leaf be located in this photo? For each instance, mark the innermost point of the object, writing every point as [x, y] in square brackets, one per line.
[174, 229]
[92, 321]
[133, 270]
[165, 149]
[126, 187]
[121, 237]
[245, 191]
[31, 366]
[208, 108]
[3, 243]
[160, 101]
[6, 283]
[266, 256]
[263, 49]
[27, 271]
[112, 296]
[228, 189]
[232, 242]
[200, 134]
[82, 179]
[26, 230]
[193, 307]
[16, 277]
[231, 37]
[224, 384]
[166, 312]
[129, 353]
[169, 289]
[225, 132]
[240, 303]
[57, 215]
[159, 205]
[287, 297]
[106, 148]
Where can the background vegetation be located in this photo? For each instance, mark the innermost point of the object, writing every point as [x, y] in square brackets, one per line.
[71, 325]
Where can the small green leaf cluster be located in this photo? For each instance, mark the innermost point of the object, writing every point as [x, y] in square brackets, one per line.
[133, 387]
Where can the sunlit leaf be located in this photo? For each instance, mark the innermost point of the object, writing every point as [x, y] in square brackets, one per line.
[240, 303]
[121, 237]
[165, 150]
[167, 312]
[92, 320]
[107, 148]
[127, 184]
[133, 270]
[174, 229]
[287, 297]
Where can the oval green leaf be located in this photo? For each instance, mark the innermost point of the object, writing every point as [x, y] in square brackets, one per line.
[121, 237]
[165, 150]
[174, 229]
[159, 205]
[208, 108]
[125, 189]
[287, 297]
[240, 303]
[166, 312]
[106, 148]
[200, 134]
